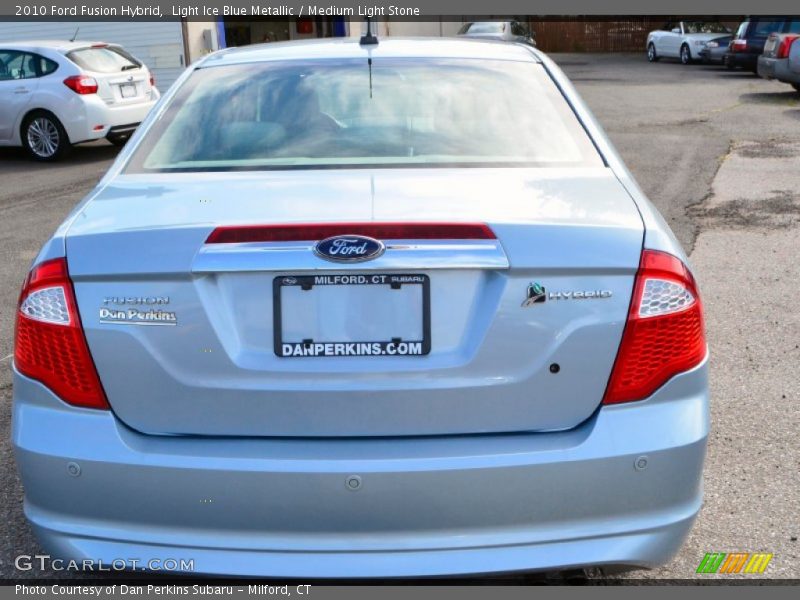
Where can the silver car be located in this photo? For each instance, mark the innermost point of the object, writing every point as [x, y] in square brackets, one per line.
[321, 319]
[687, 40]
[781, 57]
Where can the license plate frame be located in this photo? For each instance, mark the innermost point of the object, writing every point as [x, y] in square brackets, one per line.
[127, 90]
[310, 349]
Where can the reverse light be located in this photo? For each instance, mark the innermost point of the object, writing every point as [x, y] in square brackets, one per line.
[320, 231]
[786, 45]
[81, 84]
[49, 343]
[664, 334]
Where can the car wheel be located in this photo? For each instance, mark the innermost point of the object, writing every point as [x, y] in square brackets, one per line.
[796, 86]
[44, 137]
[651, 53]
[686, 55]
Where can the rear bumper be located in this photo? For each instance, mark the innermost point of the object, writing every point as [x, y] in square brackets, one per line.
[424, 506]
[777, 68]
[93, 119]
[744, 60]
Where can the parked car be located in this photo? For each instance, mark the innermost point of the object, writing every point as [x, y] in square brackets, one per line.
[54, 94]
[684, 39]
[320, 324]
[748, 43]
[506, 31]
[781, 58]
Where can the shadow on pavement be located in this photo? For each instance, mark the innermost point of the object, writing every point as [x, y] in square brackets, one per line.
[789, 97]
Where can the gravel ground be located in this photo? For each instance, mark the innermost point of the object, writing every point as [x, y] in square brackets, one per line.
[713, 149]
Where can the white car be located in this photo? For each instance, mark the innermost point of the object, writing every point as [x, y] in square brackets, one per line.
[684, 39]
[56, 93]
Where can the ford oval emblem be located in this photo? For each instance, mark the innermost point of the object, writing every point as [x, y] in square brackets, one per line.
[349, 248]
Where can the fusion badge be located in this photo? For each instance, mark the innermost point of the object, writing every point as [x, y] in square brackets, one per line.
[125, 315]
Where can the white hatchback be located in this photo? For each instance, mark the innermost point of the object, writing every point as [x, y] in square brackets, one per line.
[57, 93]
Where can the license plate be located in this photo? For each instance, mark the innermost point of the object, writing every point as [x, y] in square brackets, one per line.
[128, 90]
[371, 314]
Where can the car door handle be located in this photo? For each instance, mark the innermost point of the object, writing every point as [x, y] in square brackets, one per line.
[21, 90]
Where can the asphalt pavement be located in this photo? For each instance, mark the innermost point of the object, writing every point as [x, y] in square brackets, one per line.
[717, 152]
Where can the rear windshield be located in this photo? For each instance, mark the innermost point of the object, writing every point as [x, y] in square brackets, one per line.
[105, 59]
[764, 27]
[349, 113]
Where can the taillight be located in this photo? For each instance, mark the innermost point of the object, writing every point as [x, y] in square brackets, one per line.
[664, 334]
[49, 343]
[319, 231]
[739, 45]
[152, 80]
[81, 84]
[786, 45]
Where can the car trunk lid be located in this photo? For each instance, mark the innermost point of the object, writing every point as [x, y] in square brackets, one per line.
[500, 358]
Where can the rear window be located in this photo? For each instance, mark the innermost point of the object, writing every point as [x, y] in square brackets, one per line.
[105, 59]
[394, 112]
[763, 27]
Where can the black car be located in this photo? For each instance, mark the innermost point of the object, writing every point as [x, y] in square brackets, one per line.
[748, 43]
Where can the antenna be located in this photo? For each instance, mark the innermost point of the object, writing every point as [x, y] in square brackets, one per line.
[368, 38]
[76, 34]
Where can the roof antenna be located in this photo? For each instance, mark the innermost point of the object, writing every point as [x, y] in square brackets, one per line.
[76, 34]
[368, 38]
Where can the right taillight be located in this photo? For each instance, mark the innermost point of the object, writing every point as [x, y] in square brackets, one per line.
[81, 84]
[49, 344]
[664, 334]
[786, 45]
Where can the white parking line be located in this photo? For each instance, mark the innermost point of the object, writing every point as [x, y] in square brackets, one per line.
[5, 358]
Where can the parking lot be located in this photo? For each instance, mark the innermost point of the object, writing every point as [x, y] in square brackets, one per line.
[718, 152]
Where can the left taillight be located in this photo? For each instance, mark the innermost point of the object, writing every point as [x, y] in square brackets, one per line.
[49, 343]
[664, 334]
[81, 84]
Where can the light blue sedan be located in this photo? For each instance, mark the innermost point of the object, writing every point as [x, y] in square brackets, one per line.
[347, 309]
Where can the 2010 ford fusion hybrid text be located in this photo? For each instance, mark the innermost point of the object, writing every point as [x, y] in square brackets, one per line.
[344, 309]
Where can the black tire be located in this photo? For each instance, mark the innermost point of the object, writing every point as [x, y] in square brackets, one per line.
[651, 53]
[796, 86]
[686, 55]
[44, 137]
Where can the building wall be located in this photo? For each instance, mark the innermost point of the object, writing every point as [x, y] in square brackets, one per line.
[577, 34]
[200, 38]
[158, 44]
